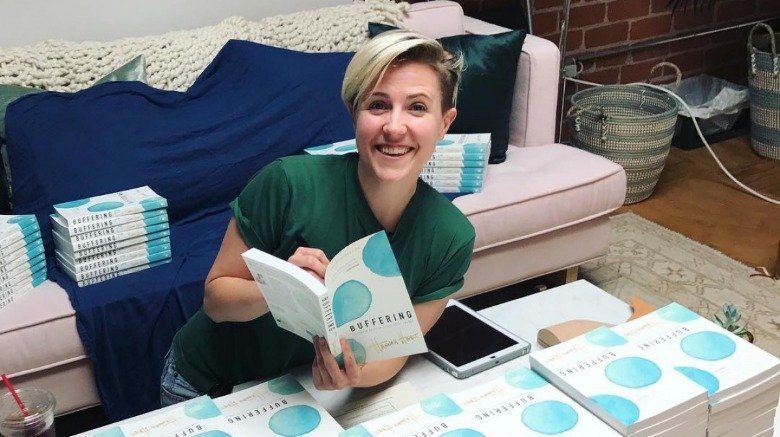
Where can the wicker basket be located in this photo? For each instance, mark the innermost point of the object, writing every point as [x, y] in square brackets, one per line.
[764, 85]
[631, 125]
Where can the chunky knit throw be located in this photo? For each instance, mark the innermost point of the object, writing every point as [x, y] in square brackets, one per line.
[175, 59]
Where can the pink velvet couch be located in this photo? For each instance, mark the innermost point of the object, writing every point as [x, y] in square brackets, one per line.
[543, 210]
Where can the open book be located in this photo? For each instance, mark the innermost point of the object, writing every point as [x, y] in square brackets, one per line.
[364, 299]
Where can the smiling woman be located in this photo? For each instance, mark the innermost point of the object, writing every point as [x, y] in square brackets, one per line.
[400, 91]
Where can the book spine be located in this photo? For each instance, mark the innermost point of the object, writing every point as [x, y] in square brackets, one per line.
[455, 163]
[455, 190]
[453, 170]
[451, 177]
[463, 148]
[17, 231]
[25, 253]
[133, 208]
[116, 267]
[332, 336]
[458, 156]
[150, 246]
[95, 280]
[118, 229]
[114, 246]
[26, 271]
[456, 184]
[110, 239]
[116, 221]
[106, 261]
[9, 250]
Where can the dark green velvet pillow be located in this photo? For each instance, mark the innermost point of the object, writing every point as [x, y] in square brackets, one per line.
[135, 69]
[487, 85]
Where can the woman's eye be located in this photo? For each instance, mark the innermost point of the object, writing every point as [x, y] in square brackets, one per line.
[377, 105]
[419, 107]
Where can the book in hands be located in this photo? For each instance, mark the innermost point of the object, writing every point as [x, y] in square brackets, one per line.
[364, 299]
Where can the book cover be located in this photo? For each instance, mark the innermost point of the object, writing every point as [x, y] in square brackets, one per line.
[623, 386]
[109, 247]
[199, 416]
[526, 403]
[364, 299]
[433, 416]
[113, 221]
[110, 226]
[144, 259]
[112, 258]
[701, 350]
[64, 243]
[279, 407]
[91, 209]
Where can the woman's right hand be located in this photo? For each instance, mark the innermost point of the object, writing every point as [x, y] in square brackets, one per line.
[312, 260]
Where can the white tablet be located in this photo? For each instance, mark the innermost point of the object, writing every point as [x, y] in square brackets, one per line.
[463, 342]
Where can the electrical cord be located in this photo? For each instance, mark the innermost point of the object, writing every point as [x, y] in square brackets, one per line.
[701, 135]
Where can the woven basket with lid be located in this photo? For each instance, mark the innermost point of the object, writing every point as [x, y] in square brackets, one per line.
[764, 86]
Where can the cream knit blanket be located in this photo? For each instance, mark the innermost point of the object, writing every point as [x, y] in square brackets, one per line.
[175, 59]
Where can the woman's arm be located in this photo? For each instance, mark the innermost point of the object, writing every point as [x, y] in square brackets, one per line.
[327, 375]
[231, 295]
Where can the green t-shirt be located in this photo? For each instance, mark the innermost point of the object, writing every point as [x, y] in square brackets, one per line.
[316, 201]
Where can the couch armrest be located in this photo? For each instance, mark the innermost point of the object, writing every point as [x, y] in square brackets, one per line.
[536, 88]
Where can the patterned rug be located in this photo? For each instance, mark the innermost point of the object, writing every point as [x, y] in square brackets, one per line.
[661, 266]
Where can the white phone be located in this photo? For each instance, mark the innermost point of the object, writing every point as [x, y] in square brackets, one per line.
[463, 342]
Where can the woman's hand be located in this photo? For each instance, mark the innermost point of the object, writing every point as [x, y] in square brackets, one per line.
[312, 260]
[325, 371]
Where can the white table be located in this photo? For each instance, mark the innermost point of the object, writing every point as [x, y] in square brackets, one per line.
[524, 317]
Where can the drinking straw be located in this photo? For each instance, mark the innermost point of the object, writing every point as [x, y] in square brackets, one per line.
[15, 395]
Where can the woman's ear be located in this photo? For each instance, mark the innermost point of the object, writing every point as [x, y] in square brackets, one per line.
[447, 119]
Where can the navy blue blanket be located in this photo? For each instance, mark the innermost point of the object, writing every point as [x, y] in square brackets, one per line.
[198, 149]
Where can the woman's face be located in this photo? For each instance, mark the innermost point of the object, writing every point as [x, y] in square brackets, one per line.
[398, 123]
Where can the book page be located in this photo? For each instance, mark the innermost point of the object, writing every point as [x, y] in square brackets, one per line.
[371, 305]
[296, 299]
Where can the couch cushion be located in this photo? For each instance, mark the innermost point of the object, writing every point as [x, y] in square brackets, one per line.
[541, 189]
[487, 83]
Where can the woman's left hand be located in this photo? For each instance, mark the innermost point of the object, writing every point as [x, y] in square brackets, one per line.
[325, 371]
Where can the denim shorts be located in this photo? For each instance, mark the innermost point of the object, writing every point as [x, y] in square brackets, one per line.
[173, 387]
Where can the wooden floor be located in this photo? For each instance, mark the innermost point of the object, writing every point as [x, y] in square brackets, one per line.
[695, 198]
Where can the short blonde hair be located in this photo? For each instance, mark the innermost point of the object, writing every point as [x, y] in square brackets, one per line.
[372, 60]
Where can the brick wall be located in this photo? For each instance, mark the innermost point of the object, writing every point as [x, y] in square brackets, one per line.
[596, 25]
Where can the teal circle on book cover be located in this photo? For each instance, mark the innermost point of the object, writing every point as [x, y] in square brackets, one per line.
[701, 377]
[675, 312]
[322, 147]
[708, 345]
[619, 407]
[550, 417]
[358, 350]
[379, 258]
[110, 432]
[151, 203]
[463, 432]
[445, 142]
[633, 372]
[524, 378]
[213, 433]
[294, 421]
[605, 337]
[21, 219]
[285, 385]
[356, 431]
[351, 300]
[347, 148]
[105, 206]
[73, 203]
[440, 405]
[201, 408]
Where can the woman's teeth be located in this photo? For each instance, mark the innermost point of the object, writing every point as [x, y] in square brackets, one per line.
[394, 150]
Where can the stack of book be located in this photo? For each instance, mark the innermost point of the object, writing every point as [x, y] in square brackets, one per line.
[279, 407]
[742, 380]
[114, 234]
[22, 259]
[627, 387]
[458, 164]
